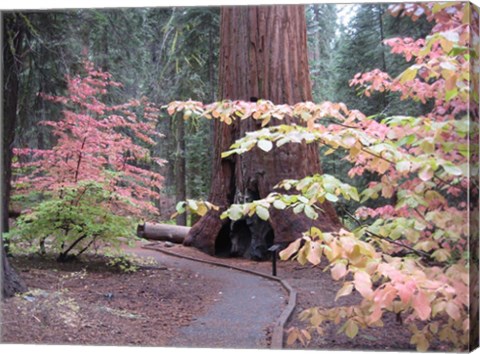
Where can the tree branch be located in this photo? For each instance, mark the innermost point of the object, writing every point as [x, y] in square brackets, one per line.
[420, 253]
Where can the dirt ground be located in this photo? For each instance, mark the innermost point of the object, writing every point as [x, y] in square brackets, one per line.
[88, 303]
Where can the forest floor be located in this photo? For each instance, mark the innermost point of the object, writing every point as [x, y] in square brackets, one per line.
[89, 303]
[92, 304]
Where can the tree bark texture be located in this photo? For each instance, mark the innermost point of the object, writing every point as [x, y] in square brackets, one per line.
[263, 55]
[12, 26]
[11, 281]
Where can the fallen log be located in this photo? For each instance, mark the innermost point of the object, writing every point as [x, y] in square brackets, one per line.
[162, 232]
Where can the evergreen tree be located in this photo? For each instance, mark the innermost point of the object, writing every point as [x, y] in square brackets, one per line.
[161, 53]
[360, 48]
[321, 20]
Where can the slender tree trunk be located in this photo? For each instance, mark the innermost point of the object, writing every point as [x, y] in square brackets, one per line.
[382, 47]
[180, 182]
[264, 55]
[213, 90]
[316, 47]
[211, 66]
[105, 54]
[12, 44]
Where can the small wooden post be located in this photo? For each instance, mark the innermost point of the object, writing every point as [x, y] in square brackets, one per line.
[274, 249]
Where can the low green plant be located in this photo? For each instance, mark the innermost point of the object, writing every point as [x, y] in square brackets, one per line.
[127, 262]
[70, 223]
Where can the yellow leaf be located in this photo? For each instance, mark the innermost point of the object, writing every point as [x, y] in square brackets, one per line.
[332, 251]
[345, 290]
[408, 75]
[446, 45]
[316, 319]
[441, 255]
[427, 146]
[303, 254]
[421, 342]
[202, 209]
[351, 328]
[227, 120]
[266, 121]
[315, 232]
[292, 337]
[438, 307]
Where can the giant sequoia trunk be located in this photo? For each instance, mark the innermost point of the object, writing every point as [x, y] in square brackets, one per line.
[263, 55]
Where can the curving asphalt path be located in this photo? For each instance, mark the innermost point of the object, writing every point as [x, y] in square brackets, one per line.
[238, 318]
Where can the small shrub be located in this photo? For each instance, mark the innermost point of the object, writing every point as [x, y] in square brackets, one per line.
[72, 222]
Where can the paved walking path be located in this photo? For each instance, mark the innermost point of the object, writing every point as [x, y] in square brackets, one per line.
[244, 308]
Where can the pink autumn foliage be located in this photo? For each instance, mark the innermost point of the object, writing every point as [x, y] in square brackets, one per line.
[423, 166]
[97, 142]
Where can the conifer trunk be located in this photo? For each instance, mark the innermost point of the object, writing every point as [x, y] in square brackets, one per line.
[263, 54]
[11, 282]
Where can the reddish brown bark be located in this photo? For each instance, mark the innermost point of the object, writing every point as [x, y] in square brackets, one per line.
[263, 54]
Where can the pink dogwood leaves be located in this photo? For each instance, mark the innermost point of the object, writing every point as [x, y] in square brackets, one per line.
[96, 141]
